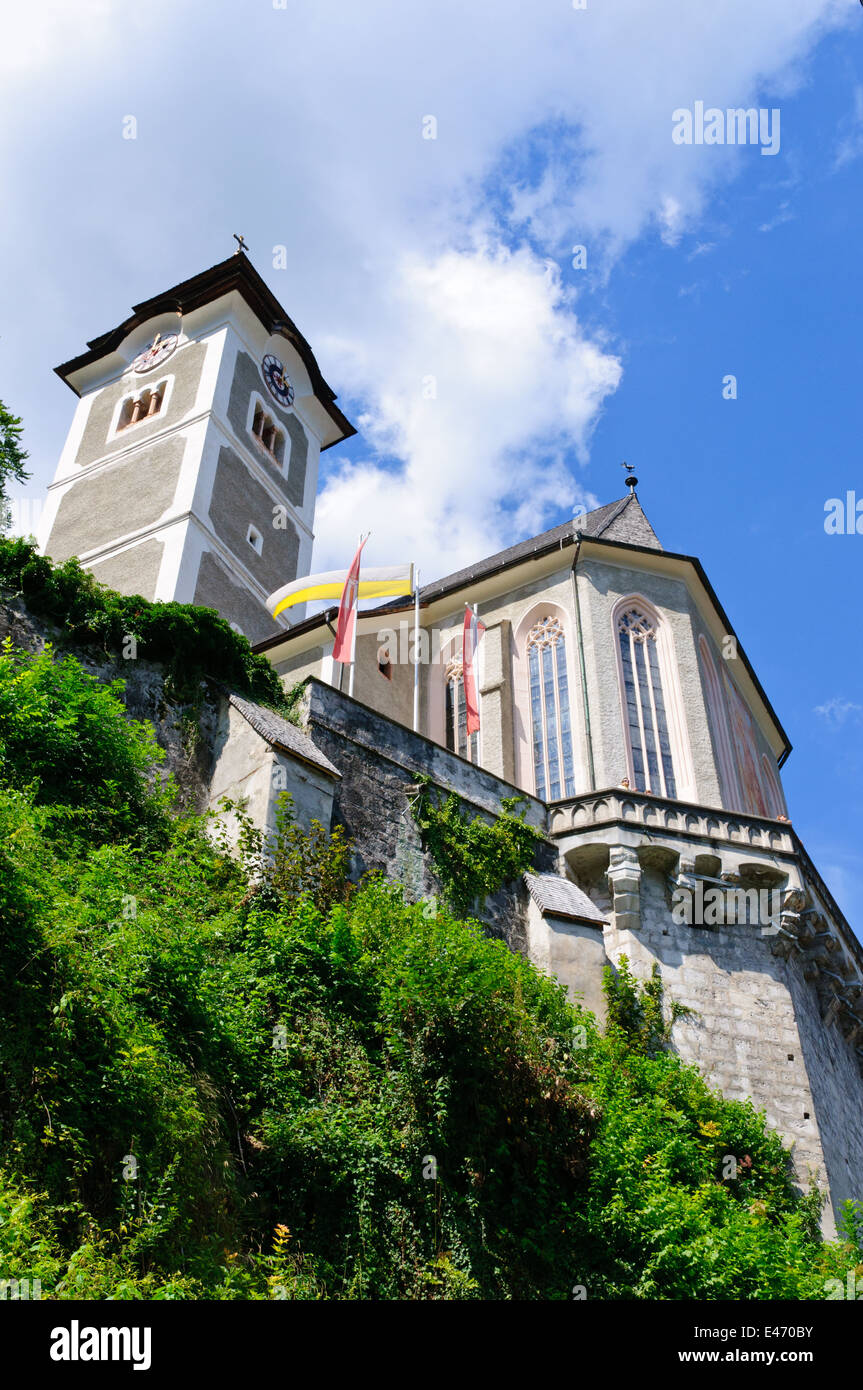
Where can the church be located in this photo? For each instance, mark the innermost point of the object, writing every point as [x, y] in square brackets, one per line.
[614, 697]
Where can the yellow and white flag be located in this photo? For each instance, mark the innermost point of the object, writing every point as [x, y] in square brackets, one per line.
[382, 581]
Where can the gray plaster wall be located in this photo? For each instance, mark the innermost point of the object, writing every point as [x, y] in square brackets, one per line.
[185, 366]
[246, 769]
[238, 500]
[298, 667]
[377, 760]
[247, 379]
[395, 697]
[756, 1033]
[133, 571]
[122, 498]
[235, 603]
[505, 717]
[600, 587]
[837, 1090]
[571, 951]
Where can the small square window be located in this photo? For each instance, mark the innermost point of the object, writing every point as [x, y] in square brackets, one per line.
[255, 539]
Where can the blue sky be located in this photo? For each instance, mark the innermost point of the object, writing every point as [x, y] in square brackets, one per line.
[411, 258]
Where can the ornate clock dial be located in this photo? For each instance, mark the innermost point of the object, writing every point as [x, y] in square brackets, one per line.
[277, 379]
[152, 356]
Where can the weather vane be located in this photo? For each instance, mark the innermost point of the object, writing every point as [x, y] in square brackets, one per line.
[631, 480]
[241, 244]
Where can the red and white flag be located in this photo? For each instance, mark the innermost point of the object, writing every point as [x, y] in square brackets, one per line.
[473, 631]
[346, 628]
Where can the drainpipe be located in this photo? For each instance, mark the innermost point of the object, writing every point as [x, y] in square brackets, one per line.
[580, 638]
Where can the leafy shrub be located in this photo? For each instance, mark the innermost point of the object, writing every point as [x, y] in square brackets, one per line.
[65, 735]
[473, 856]
[192, 643]
[234, 1077]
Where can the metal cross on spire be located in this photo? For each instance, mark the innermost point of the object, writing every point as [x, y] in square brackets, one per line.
[241, 244]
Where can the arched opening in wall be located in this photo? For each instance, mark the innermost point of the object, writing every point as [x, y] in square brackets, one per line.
[717, 714]
[654, 723]
[773, 788]
[457, 738]
[267, 434]
[753, 797]
[143, 405]
[545, 751]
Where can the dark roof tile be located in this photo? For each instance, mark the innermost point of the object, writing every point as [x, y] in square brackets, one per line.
[560, 898]
[281, 734]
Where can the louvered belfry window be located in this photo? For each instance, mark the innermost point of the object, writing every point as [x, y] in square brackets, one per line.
[646, 719]
[551, 732]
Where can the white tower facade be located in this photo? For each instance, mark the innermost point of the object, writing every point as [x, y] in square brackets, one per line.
[190, 471]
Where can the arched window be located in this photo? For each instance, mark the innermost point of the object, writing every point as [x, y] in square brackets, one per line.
[746, 748]
[776, 801]
[142, 406]
[718, 716]
[267, 434]
[456, 714]
[551, 733]
[645, 716]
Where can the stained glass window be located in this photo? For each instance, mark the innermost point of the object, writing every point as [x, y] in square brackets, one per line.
[645, 716]
[551, 733]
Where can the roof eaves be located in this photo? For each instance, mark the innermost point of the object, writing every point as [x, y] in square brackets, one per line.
[235, 273]
[711, 594]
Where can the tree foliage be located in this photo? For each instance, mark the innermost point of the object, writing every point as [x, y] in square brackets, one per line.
[236, 1076]
[473, 856]
[12, 459]
[192, 643]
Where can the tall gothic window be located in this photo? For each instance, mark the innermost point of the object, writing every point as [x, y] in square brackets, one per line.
[647, 724]
[456, 714]
[553, 769]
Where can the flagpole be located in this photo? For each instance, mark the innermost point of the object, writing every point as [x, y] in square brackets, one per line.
[416, 651]
[476, 655]
[356, 625]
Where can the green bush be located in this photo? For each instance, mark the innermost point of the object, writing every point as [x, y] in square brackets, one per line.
[473, 856]
[65, 735]
[223, 1082]
[192, 643]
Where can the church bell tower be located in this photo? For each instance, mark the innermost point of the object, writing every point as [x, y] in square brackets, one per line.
[190, 470]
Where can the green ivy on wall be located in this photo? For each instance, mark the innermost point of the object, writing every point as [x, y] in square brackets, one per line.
[473, 857]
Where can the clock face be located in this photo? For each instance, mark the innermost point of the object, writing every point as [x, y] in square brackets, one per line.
[152, 356]
[277, 379]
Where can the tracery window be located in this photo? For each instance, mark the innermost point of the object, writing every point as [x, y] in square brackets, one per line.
[718, 715]
[645, 716]
[551, 732]
[456, 714]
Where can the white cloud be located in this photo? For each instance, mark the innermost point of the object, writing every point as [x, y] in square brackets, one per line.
[553, 129]
[837, 712]
[783, 214]
[850, 145]
[35, 37]
[485, 407]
